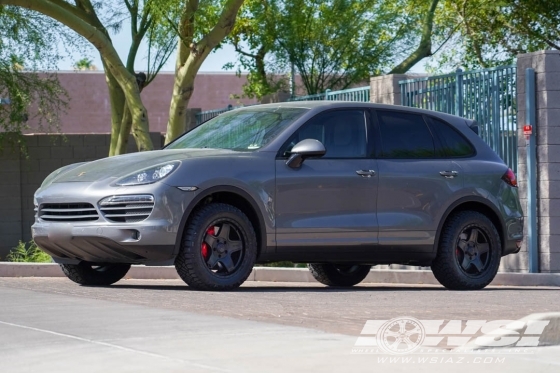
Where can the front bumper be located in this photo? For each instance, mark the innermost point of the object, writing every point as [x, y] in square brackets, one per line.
[103, 243]
[151, 241]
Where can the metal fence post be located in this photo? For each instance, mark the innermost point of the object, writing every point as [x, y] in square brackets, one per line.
[327, 92]
[459, 92]
[496, 113]
[532, 233]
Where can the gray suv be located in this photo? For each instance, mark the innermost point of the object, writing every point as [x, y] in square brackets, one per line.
[342, 186]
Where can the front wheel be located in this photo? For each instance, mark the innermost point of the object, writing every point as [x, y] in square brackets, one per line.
[339, 274]
[219, 248]
[95, 274]
[469, 252]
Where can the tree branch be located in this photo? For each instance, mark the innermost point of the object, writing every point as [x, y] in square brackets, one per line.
[220, 30]
[424, 48]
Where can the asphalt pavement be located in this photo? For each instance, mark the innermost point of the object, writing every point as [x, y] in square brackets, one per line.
[54, 325]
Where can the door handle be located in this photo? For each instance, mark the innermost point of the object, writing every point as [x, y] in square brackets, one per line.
[449, 174]
[366, 173]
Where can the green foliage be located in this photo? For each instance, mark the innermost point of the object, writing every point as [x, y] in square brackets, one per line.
[486, 33]
[84, 64]
[29, 253]
[28, 92]
[332, 44]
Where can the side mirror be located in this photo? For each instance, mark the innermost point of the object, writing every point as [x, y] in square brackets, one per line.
[304, 149]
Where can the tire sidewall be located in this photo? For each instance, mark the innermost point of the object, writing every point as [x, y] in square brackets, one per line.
[84, 274]
[191, 250]
[447, 255]
[330, 275]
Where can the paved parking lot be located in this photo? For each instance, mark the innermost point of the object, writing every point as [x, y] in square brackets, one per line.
[148, 325]
[312, 305]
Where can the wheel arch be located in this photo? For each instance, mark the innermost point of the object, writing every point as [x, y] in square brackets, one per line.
[233, 196]
[477, 204]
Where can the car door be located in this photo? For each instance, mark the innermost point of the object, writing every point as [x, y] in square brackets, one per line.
[329, 203]
[416, 182]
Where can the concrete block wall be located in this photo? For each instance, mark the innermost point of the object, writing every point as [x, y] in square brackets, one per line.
[11, 199]
[385, 89]
[21, 175]
[547, 133]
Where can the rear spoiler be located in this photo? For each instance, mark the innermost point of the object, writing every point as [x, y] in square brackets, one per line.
[473, 125]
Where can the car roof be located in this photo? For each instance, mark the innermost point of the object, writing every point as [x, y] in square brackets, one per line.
[352, 104]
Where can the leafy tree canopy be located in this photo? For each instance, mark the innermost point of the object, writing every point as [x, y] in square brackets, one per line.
[27, 90]
[487, 33]
[332, 44]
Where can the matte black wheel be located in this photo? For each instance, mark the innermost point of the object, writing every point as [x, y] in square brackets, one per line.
[219, 248]
[95, 274]
[339, 274]
[469, 252]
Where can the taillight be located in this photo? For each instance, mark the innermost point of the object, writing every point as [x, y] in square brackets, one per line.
[509, 178]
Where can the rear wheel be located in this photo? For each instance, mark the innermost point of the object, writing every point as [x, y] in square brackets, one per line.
[95, 274]
[219, 248]
[339, 274]
[469, 252]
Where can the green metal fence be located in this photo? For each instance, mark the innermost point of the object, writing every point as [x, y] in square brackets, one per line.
[488, 96]
[360, 94]
[209, 114]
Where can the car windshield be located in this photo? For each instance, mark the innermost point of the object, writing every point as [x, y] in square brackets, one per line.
[243, 130]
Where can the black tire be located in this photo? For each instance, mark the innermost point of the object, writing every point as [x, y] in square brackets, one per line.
[465, 260]
[95, 274]
[209, 268]
[339, 274]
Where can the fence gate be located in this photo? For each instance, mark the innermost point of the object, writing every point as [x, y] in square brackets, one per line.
[487, 96]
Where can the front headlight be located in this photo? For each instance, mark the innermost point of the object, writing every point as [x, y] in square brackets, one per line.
[148, 175]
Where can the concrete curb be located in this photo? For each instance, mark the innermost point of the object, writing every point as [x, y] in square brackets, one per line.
[388, 276]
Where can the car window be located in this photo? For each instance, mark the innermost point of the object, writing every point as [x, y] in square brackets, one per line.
[404, 135]
[454, 144]
[342, 132]
[243, 130]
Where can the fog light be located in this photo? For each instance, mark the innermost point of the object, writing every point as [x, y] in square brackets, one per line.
[135, 234]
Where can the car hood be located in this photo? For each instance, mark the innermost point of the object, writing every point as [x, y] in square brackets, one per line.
[119, 166]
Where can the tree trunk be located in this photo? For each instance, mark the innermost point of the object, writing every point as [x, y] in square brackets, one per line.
[189, 59]
[78, 21]
[183, 88]
[139, 114]
[424, 48]
[124, 133]
[117, 100]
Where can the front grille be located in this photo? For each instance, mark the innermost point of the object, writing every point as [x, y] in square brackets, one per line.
[68, 212]
[127, 209]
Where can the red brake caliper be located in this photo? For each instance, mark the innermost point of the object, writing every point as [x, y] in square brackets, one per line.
[205, 249]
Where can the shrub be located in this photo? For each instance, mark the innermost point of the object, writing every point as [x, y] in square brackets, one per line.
[28, 252]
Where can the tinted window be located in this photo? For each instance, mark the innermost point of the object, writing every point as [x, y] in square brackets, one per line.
[454, 144]
[405, 135]
[342, 132]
